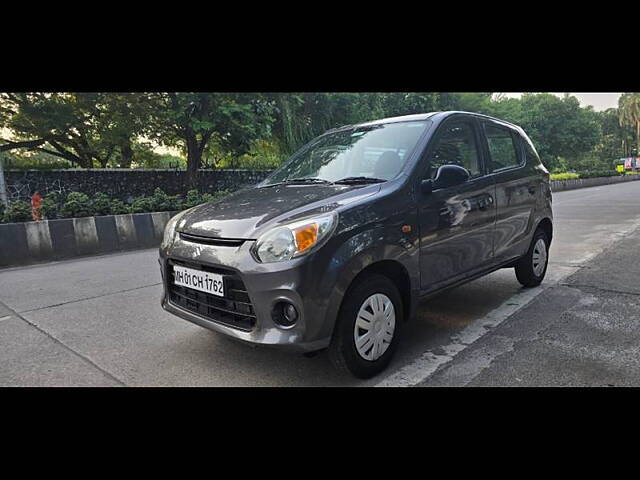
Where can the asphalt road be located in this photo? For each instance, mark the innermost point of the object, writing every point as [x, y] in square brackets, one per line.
[97, 321]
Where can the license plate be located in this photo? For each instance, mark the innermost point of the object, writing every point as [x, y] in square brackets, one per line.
[199, 280]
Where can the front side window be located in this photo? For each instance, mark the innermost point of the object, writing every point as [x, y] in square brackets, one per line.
[374, 151]
[456, 146]
[502, 147]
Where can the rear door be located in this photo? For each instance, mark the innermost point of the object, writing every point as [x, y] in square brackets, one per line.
[456, 223]
[517, 184]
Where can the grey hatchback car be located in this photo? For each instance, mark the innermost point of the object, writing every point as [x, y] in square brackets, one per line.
[336, 248]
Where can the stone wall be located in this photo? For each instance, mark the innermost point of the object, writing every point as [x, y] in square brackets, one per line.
[126, 184]
[123, 184]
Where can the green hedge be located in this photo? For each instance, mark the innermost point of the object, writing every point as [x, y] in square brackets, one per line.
[598, 173]
[564, 176]
[77, 204]
[584, 174]
[17, 212]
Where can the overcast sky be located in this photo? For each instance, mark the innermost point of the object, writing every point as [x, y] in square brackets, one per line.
[600, 101]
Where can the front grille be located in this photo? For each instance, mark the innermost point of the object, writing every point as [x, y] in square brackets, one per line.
[221, 242]
[234, 309]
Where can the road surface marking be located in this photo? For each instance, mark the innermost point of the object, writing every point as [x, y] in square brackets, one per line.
[424, 366]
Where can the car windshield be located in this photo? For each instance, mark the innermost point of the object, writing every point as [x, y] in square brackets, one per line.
[356, 155]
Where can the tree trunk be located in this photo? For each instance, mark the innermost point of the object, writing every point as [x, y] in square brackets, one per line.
[126, 154]
[194, 159]
[3, 186]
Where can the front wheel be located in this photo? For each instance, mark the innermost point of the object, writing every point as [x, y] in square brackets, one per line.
[367, 328]
[531, 269]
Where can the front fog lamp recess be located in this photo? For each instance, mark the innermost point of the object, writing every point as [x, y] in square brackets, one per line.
[285, 314]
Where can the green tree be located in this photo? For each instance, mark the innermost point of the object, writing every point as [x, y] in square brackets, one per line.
[250, 129]
[34, 119]
[614, 139]
[87, 129]
[559, 127]
[124, 120]
[192, 120]
[629, 112]
[506, 108]
[466, 101]
[302, 116]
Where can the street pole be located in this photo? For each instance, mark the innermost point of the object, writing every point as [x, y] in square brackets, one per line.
[3, 186]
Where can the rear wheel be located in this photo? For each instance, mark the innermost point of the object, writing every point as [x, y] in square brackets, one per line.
[531, 269]
[367, 328]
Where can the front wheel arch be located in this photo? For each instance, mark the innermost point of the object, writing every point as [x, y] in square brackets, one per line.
[343, 350]
[355, 256]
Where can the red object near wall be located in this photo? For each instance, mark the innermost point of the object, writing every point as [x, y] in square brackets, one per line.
[36, 204]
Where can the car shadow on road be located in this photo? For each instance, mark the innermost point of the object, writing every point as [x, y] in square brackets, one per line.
[232, 362]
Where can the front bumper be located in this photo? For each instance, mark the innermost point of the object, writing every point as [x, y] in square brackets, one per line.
[296, 281]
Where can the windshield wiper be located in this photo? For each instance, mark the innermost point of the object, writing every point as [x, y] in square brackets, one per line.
[356, 180]
[315, 180]
[297, 181]
[306, 180]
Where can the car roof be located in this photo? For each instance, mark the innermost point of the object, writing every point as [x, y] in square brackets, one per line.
[424, 116]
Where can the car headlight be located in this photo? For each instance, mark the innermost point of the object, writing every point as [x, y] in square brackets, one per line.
[170, 229]
[294, 239]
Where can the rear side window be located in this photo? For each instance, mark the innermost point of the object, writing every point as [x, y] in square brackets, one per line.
[529, 151]
[502, 147]
[456, 146]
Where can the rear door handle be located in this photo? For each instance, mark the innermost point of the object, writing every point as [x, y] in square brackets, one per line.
[532, 190]
[484, 203]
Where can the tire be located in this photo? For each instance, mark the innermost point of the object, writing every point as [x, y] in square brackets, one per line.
[376, 294]
[529, 270]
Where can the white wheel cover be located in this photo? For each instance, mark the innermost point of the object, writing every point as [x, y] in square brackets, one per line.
[375, 324]
[539, 257]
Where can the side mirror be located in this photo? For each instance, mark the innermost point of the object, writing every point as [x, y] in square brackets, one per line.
[450, 176]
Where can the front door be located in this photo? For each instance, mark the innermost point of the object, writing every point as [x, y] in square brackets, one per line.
[456, 223]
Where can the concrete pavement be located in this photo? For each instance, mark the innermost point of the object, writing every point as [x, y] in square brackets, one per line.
[97, 321]
[585, 331]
